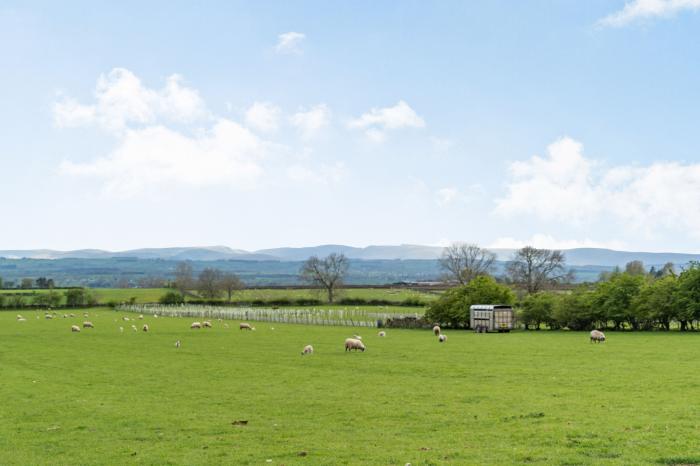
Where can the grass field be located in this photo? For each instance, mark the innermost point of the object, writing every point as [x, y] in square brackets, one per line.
[106, 397]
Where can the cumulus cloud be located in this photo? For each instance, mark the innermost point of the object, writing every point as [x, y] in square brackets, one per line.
[310, 122]
[149, 159]
[641, 10]
[263, 116]
[290, 42]
[378, 120]
[570, 189]
[122, 100]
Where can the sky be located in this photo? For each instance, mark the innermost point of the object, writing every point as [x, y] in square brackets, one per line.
[554, 123]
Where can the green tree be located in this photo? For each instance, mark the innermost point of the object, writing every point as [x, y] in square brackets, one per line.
[79, 297]
[50, 299]
[26, 283]
[452, 308]
[537, 309]
[657, 302]
[615, 298]
[576, 311]
[689, 295]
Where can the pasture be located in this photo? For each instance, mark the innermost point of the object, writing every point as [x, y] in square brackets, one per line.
[235, 397]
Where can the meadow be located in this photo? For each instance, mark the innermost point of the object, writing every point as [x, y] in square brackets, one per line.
[234, 397]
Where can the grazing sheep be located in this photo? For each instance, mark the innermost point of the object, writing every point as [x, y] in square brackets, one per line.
[71, 314]
[65, 316]
[382, 333]
[354, 344]
[442, 338]
[597, 336]
[244, 326]
[74, 328]
[48, 316]
[125, 319]
[85, 315]
[21, 319]
[145, 327]
[436, 330]
[88, 324]
[206, 324]
[308, 349]
[155, 316]
[19, 316]
[196, 325]
[177, 344]
[141, 316]
[133, 327]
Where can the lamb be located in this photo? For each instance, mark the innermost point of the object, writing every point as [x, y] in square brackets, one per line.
[382, 333]
[308, 349]
[354, 344]
[88, 324]
[597, 336]
[436, 330]
[206, 324]
[244, 326]
[74, 328]
[145, 327]
[196, 325]
[442, 338]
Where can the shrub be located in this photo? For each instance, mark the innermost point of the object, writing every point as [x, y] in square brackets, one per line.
[172, 297]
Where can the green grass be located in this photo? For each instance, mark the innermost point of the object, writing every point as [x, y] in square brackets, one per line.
[105, 397]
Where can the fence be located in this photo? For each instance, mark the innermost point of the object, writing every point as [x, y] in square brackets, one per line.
[337, 317]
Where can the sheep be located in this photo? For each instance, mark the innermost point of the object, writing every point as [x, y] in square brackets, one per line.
[21, 319]
[133, 327]
[155, 316]
[121, 329]
[244, 326]
[354, 344]
[48, 316]
[177, 344]
[65, 316]
[74, 328]
[125, 319]
[196, 325]
[442, 338]
[597, 336]
[85, 315]
[382, 333]
[436, 330]
[141, 316]
[71, 314]
[88, 324]
[145, 327]
[308, 349]
[206, 324]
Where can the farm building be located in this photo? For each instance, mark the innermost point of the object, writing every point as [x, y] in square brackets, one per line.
[491, 318]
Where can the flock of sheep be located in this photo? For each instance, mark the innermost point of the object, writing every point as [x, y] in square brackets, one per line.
[351, 344]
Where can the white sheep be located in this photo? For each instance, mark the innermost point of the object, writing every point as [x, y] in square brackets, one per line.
[88, 324]
[244, 326]
[133, 327]
[21, 319]
[74, 328]
[442, 338]
[196, 325]
[177, 344]
[19, 316]
[85, 315]
[382, 333]
[436, 330]
[125, 319]
[145, 327]
[48, 316]
[308, 349]
[206, 324]
[65, 316]
[71, 314]
[597, 336]
[354, 344]
[141, 316]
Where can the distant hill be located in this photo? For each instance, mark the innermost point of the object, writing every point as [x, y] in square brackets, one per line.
[574, 257]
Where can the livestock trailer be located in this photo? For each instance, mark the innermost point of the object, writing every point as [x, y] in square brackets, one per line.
[491, 318]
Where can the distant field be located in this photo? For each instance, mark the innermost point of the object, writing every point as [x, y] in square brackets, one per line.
[151, 295]
[546, 398]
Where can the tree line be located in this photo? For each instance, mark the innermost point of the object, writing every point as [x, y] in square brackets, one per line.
[630, 298]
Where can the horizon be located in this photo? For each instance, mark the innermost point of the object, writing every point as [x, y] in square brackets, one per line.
[237, 123]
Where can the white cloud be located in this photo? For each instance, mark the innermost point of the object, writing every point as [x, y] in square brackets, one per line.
[549, 242]
[263, 116]
[567, 188]
[310, 122]
[640, 10]
[290, 42]
[378, 120]
[150, 159]
[325, 174]
[122, 100]
[450, 195]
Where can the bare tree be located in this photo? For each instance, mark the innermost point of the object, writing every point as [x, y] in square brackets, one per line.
[536, 268]
[635, 268]
[209, 283]
[464, 262]
[327, 273]
[230, 283]
[183, 277]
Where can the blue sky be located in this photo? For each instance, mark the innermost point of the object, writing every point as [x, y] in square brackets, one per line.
[265, 124]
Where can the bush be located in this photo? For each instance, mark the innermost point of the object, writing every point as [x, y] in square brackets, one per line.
[172, 297]
[452, 308]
